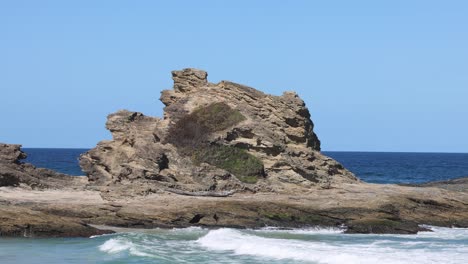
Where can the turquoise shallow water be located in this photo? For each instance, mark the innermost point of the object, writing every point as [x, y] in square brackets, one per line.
[197, 245]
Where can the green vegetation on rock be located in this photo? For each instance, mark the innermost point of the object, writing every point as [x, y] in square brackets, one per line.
[237, 161]
[191, 131]
[217, 116]
[190, 135]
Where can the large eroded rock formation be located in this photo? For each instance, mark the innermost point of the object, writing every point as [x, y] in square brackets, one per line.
[214, 140]
[215, 137]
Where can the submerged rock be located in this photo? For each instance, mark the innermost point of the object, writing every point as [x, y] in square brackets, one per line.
[215, 137]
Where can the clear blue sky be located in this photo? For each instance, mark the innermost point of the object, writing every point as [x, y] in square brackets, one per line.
[376, 75]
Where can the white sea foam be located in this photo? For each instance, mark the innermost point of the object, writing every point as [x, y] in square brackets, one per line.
[316, 245]
[117, 245]
[330, 251]
[444, 233]
[305, 231]
[103, 235]
[188, 229]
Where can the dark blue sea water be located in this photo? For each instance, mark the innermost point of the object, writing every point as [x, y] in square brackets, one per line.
[61, 160]
[375, 167]
[403, 167]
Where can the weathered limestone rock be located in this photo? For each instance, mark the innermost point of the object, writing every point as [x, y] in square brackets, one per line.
[276, 130]
[459, 184]
[224, 155]
[18, 221]
[22, 218]
[15, 173]
[10, 153]
[189, 79]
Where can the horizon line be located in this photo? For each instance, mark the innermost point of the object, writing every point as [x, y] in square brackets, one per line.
[355, 151]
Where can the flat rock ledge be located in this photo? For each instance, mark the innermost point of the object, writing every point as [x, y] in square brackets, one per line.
[22, 219]
[223, 155]
[362, 208]
[459, 184]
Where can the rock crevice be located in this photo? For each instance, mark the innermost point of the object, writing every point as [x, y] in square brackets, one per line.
[223, 155]
[231, 126]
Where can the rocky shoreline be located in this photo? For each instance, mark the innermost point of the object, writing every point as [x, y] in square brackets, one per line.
[362, 208]
[458, 184]
[224, 155]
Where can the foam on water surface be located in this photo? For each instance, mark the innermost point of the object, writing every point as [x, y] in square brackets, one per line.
[316, 245]
[269, 245]
[229, 246]
[428, 247]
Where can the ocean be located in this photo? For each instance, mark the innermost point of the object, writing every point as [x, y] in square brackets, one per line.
[375, 167]
[225, 245]
[197, 245]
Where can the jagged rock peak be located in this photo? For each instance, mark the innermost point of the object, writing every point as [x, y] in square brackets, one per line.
[188, 79]
[11, 153]
[215, 137]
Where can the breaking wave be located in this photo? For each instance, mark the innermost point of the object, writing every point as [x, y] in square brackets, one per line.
[321, 245]
[422, 248]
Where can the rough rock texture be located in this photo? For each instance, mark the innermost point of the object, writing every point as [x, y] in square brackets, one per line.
[27, 221]
[459, 184]
[362, 207]
[15, 173]
[224, 155]
[276, 130]
[19, 221]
